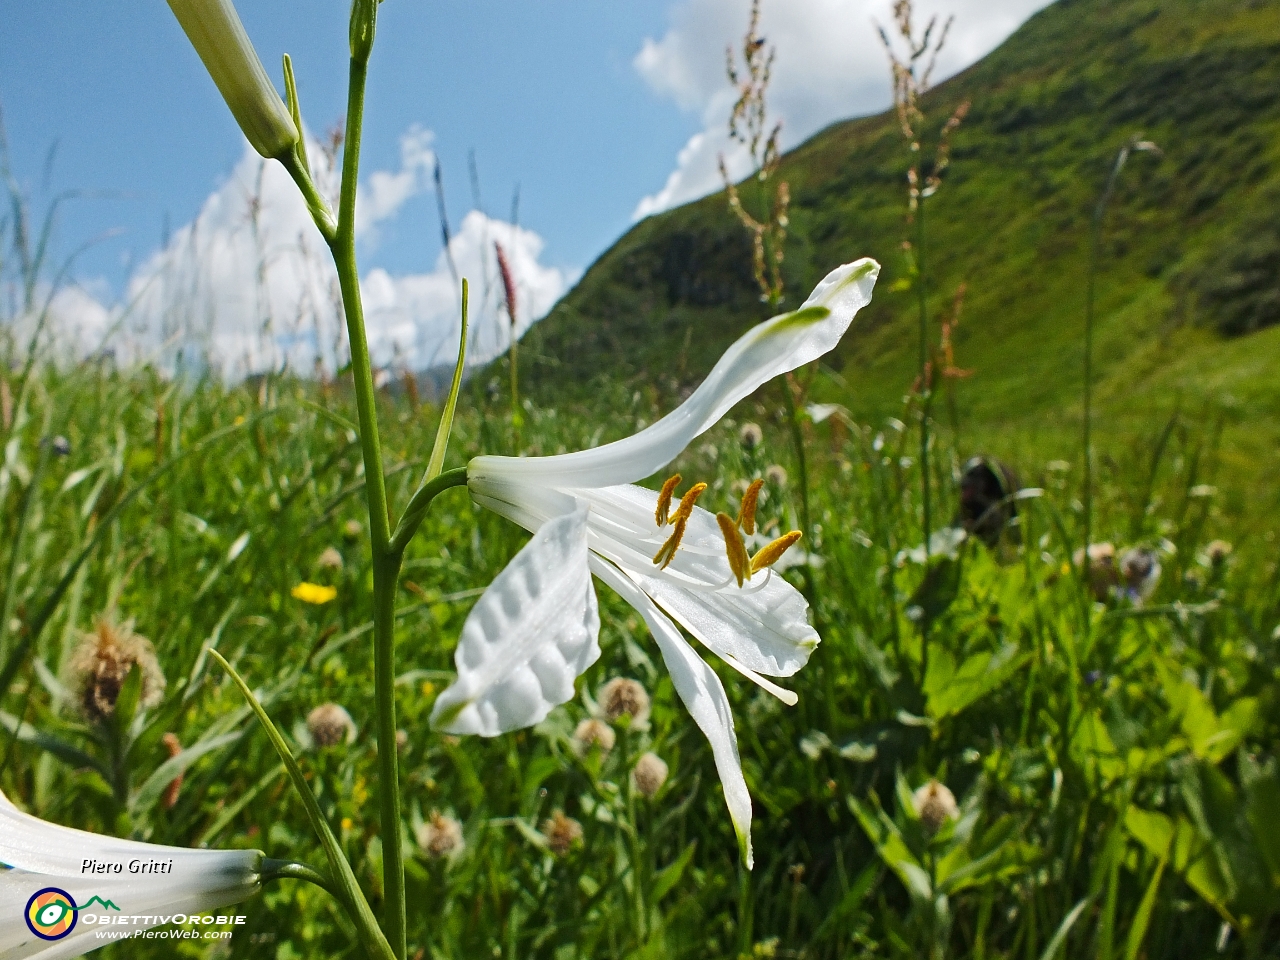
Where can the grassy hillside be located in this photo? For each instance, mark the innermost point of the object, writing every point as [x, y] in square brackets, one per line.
[1190, 258]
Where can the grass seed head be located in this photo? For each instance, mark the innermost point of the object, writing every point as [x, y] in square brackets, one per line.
[624, 697]
[934, 805]
[101, 664]
[649, 774]
[330, 725]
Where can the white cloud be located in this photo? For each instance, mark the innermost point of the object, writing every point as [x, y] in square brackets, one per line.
[383, 193]
[830, 65]
[248, 285]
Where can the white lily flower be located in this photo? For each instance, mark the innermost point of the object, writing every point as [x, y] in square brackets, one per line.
[59, 886]
[534, 631]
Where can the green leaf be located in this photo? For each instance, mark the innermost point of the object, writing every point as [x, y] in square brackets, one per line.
[892, 848]
[1142, 919]
[1064, 928]
[669, 876]
[1190, 854]
[26, 733]
[949, 689]
[343, 878]
[146, 795]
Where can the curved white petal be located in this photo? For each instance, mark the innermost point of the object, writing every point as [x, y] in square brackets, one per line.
[767, 350]
[766, 629]
[528, 638]
[762, 625]
[35, 855]
[703, 695]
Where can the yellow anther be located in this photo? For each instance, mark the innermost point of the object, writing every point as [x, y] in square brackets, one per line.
[661, 514]
[667, 552]
[687, 501]
[739, 562]
[771, 553]
[747, 512]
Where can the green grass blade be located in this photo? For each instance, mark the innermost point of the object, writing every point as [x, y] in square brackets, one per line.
[1064, 928]
[375, 943]
[436, 463]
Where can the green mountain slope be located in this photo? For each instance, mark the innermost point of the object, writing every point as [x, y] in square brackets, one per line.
[1190, 260]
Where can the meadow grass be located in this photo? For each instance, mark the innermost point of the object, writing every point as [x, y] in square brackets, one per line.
[1049, 743]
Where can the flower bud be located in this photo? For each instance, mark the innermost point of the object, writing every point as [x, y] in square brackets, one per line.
[593, 733]
[101, 664]
[214, 29]
[330, 725]
[441, 836]
[649, 774]
[562, 833]
[364, 18]
[622, 696]
[934, 805]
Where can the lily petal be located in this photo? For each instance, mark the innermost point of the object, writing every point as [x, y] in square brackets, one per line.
[703, 695]
[528, 638]
[36, 856]
[763, 625]
[766, 629]
[767, 350]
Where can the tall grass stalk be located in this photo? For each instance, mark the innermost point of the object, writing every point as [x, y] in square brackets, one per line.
[1134, 144]
[912, 75]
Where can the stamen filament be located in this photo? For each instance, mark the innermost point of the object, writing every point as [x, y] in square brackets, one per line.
[772, 552]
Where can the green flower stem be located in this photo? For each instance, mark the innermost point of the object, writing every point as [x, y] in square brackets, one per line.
[386, 561]
[417, 509]
[922, 294]
[292, 870]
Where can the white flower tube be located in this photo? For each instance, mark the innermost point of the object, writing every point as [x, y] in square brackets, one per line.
[60, 887]
[584, 506]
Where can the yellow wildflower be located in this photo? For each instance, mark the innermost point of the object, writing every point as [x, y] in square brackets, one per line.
[313, 593]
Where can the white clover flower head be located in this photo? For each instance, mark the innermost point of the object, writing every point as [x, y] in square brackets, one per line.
[45, 882]
[1101, 573]
[750, 435]
[934, 804]
[330, 725]
[352, 529]
[1217, 552]
[441, 836]
[592, 733]
[562, 833]
[623, 697]
[775, 475]
[329, 559]
[101, 664]
[535, 629]
[649, 774]
[1140, 568]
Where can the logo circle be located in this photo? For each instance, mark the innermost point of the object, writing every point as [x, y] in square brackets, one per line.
[51, 913]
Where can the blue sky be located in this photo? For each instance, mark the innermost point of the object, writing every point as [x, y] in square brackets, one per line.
[601, 110]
